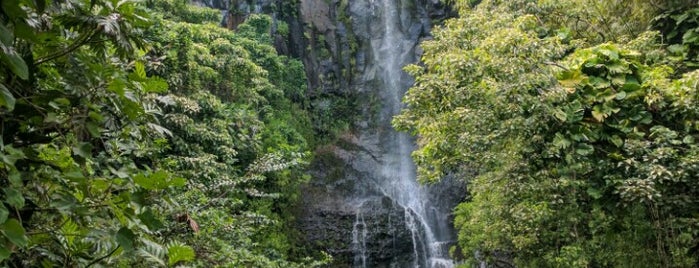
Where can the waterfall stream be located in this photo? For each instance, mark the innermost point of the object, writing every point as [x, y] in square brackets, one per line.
[396, 176]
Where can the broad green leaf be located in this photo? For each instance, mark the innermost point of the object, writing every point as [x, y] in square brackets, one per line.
[13, 9]
[610, 52]
[84, 149]
[594, 193]
[60, 102]
[621, 95]
[95, 116]
[51, 118]
[563, 33]
[690, 37]
[618, 80]
[4, 253]
[117, 86]
[158, 180]
[121, 173]
[3, 213]
[560, 141]
[64, 202]
[40, 6]
[155, 85]
[177, 253]
[599, 82]
[15, 62]
[617, 141]
[14, 232]
[598, 114]
[93, 128]
[149, 219]
[24, 31]
[74, 174]
[125, 238]
[6, 98]
[560, 114]
[99, 185]
[14, 198]
[584, 149]
[178, 182]
[6, 36]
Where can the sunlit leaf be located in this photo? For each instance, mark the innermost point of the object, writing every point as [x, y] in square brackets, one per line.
[179, 253]
[158, 180]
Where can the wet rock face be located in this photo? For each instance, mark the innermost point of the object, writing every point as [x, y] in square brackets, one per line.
[345, 215]
[344, 212]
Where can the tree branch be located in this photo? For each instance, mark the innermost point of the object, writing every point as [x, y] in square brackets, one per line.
[103, 257]
[78, 43]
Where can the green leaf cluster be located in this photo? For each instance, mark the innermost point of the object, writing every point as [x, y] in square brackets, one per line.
[133, 135]
[575, 128]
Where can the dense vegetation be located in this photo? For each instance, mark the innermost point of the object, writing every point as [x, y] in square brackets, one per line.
[576, 124]
[141, 134]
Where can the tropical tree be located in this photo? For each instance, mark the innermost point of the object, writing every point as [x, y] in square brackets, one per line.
[575, 127]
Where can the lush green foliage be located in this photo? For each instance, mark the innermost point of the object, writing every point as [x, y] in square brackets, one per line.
[581, 129]
[137, 138]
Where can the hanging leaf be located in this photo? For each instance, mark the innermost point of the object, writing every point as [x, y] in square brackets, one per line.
[125, 238]
[594, 193]
[14, 232]
[24, 31]
[6, 98]
[584, 149]
[6, 36]
[84, 149]
[617, 141]
[149, 219]
[4, 253]
[15, 62]
[14, 198]
[40, 6]
[13, 9]
[3, 213]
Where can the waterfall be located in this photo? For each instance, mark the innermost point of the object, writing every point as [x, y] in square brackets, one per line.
[396, 172]
[359, 233]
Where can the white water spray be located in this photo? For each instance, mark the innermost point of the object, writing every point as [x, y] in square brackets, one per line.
[397, 178]
[359, 233]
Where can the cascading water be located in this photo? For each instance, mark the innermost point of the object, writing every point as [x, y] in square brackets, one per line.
[364, 205]
[359, 233]
[395, 175]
